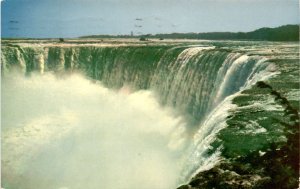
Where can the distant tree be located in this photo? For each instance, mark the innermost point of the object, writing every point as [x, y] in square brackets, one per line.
[61, 40]
[143, 39]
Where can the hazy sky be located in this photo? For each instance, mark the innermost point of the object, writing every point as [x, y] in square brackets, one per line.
[73, 18]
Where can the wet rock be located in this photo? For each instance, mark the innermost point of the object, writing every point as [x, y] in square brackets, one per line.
[184, 187]
[262, 84]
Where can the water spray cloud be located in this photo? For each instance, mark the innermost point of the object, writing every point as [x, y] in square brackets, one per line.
[70, 133]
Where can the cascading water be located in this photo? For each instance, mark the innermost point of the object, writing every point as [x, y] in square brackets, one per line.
[200, 156]
[198, 82]
[188, 78]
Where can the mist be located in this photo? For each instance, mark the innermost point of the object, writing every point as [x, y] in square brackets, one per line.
[72, 133]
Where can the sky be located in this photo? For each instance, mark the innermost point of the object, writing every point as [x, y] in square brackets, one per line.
[74, 18]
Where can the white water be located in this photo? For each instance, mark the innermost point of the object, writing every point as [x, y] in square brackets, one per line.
[199, 159]
[70, 133]
[74, 134]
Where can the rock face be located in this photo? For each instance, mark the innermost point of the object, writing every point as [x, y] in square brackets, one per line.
[221, 177]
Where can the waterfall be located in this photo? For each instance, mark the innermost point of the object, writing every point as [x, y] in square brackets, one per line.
[201, 155]
[197, 82]
[188, 78]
